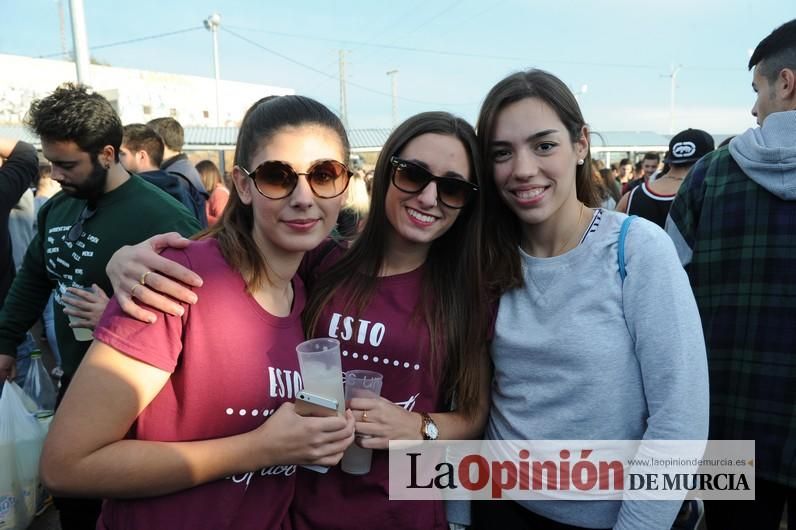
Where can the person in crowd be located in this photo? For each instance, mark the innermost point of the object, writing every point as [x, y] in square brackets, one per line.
[644, 171]
[355, 210]
[604, 193]
[610, 183]
[579, 351]
[101, 208]
[188, 422]
[177, 163]
[219, 193]
[46, 188]
[142, 153]
[18, 168]
[649, 165]
[732, 224]
[416, 262]
[625, 170]
[652, 200]
[19, 227]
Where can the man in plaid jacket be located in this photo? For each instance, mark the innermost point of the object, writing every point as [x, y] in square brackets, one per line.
[734, 225]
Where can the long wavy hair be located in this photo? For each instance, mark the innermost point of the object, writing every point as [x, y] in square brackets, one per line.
[452, 288]
[503, 230]
[262, 121]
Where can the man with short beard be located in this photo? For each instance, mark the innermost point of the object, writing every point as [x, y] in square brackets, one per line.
[100, 209]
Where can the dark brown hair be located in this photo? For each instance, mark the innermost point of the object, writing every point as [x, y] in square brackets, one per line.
[502, 228]
[452, 289]
[75, 113]
[140, 137]
[262, 121]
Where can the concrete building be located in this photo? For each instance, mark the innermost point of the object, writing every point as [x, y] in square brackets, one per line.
[137, 95]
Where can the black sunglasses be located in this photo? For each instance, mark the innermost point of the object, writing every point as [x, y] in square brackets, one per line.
[276, 180]
[76, 230]
[410, 177]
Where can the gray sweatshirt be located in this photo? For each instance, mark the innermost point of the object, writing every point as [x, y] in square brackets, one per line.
[581, 355]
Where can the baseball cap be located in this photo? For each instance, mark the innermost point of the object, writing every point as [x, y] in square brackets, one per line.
[688, 146]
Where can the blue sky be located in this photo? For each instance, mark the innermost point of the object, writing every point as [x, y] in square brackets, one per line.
[448, 52]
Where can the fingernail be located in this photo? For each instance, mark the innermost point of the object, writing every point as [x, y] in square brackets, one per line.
[180, 311]
[151, 320]
[193, 299]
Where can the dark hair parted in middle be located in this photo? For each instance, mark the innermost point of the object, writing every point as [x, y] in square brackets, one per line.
[502, 228]
[452, 289]
[262, 121]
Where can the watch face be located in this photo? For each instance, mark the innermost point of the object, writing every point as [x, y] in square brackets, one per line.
[431, 431]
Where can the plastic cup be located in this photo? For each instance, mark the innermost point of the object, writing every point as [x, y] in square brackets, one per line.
[360, 384]
[81, 334]
[321, 370]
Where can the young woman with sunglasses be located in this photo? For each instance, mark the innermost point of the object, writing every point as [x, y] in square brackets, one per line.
[404, 300]
[579, 352]
[189, 422]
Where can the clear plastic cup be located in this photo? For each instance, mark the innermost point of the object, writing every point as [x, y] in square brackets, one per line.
[360, 384]
[321, 369]
[81, 334]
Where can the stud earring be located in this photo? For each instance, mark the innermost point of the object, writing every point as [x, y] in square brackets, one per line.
[580, 161]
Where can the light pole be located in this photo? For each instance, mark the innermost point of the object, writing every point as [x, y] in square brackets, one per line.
[80, 40]
[673, 76]
[211, 23]
[394, 89]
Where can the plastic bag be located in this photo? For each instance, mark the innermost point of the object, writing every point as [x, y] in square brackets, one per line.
[21, 439]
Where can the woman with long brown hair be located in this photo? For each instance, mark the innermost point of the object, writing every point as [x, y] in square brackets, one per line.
[214, 184]
[589, 344]
[178, 422]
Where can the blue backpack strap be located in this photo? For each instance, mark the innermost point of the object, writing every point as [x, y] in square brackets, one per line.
[621, 253]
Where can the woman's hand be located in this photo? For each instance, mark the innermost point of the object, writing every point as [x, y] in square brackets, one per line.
[86, 305]
[140, 272]
[287, 438]
[379, 420]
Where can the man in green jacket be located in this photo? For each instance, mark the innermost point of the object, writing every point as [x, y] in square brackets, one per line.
[101, 208]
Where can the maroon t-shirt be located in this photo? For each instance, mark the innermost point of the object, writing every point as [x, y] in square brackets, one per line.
[390, 338]
[232, 365]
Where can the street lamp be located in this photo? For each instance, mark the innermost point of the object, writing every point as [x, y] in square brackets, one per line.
[211, 24]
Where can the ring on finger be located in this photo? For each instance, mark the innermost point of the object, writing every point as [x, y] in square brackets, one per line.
[364, 416]
[142, 280]
[132, 291]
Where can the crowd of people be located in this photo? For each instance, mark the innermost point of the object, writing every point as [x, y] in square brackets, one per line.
[522, 291]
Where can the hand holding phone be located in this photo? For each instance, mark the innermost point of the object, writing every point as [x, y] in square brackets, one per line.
[308, 404]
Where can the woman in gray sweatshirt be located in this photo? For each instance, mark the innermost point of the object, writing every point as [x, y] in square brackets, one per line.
[580, 353]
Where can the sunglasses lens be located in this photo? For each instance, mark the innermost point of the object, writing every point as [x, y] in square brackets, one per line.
[453, 193]
[411, 179]
[328, 178]
[275, 179]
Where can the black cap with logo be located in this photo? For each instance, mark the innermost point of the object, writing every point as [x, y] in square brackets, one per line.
[688, 146]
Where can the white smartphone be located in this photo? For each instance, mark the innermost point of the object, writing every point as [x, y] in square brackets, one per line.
[309, 404]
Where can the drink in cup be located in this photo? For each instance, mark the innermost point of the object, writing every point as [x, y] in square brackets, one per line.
[360, 384]
[321, 370]
[81, 334]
